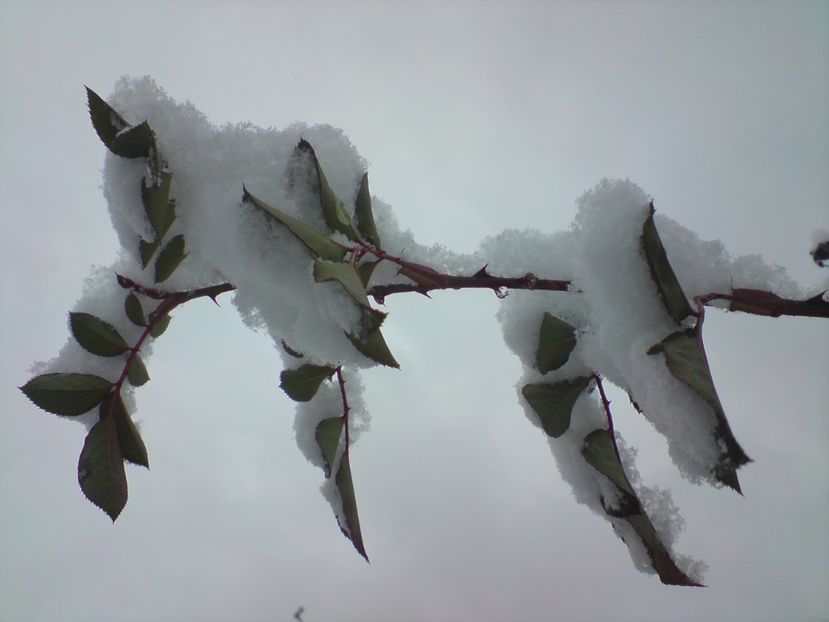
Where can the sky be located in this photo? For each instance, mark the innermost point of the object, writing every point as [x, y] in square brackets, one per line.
[474, 117]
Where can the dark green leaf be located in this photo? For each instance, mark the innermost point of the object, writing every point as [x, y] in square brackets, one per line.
[328, 435]
[105, 120]
[686, 360]
[159, 326]
[599, 450]
[315, 241]
[374, 346]
[137, 374]
[134, 311]
[556, 341]
[553, 403]
[96, 336]
[68, 395]
[332, 208]
[346, 275]
[364, 215]
[345, 486]
[129, 439]
[146, 250]
[663, 275]
[169, 258]
[160, 209]
[101, 468]
[366, 270]
[134, 142]
[301, 384]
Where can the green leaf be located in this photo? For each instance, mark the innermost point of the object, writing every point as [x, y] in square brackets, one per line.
[147, 250]
[346, 275]
[134, 311]
[663, 275]
[374, 346]
[105, 120]
[101, 468]
[96, 336]
[137, 374]
[686, 360]
[301, 384]
[345, 486]
[129, 438]
[67, 395]
[366, 270]
[553, 403]
[599, 451]
[328, 434]
[315, 241]
[159, 326]
[137, 141]
[169, 258]
[556, 341]
[160, 209]
[332, 207]
[364, 215]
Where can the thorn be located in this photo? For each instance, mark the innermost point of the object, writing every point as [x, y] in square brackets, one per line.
[482, 272]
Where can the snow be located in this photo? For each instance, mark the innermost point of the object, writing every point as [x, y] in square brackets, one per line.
[614, 306]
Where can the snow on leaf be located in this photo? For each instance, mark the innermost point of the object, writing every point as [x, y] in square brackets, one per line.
[556, 341]
[686, 360]
[364, 215]
[346, 275]
[96, 336]
[67, 395]
[328, 434]
[315, 241]
[169, 258]
[160, 209]
[663, 275]
[599, 451]
[301, 384]
[553, 403]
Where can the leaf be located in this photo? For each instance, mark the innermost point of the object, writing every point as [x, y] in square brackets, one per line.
[129, 439]
[169, 259]
[96, 336]
[364, 215]
[599, 451]
[366, 270]
[301, 384]
[345, 486]
[556, 341]
[160, 209]
[686, 360]
[137, 374]
[346, 275]
[328, 435]
[290, 351]
[134, 311]
[333, 211]
[146, 250]
[101, 468]
[105, 120]
[67, 395]
[315, 241]
[159, 326]
[663, 275]
[374, 346]
[553, 403]
[133, 142]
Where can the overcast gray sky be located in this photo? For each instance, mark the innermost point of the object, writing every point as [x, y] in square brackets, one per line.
[474, 117]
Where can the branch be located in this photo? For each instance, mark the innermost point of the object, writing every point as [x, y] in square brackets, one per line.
[759, 302]
[212, 292]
